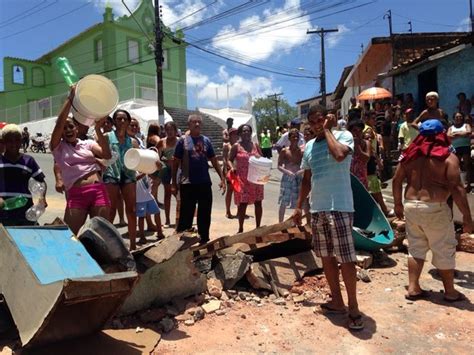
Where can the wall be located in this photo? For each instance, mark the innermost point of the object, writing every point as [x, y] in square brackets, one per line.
[455, 73]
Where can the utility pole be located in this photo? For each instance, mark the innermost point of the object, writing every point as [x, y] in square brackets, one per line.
[159, 64]
[470, 16]
[322, 77]
[276, 100]
[388, 15]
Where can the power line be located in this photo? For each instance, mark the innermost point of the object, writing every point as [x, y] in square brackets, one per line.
[424, 21]
[21, 15]
[45, 22]
[193, 13]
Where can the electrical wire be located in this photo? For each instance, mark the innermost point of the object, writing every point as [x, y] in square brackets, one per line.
[22, 14]
[424, 21]
[192, 13]
[45, 22]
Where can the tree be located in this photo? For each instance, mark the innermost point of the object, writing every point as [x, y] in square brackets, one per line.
[265, 116]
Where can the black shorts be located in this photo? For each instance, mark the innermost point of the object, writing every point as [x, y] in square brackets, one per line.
[463, 150]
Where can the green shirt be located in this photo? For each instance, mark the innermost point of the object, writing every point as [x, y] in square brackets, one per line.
[265, 141]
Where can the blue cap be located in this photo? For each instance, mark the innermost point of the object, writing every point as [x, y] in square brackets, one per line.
[431, 126]
[296, 121]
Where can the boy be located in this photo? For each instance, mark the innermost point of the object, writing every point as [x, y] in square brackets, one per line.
[146, 205]
[16, 169]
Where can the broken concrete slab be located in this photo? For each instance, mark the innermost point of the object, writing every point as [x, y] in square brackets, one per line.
[466, 243]
[161, 282]
[230, 268]
[364, 259]
[283, 271]
[211, 306]
[214, 287]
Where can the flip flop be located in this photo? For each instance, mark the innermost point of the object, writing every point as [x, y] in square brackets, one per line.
[356, 322]
[326, 308]
[419, 296]
[460, 297]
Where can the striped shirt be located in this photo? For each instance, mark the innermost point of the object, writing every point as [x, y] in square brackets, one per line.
[14, 177]
[330, 181]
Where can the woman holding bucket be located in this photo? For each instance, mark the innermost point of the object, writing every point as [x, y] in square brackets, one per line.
[81, 174]
[117, 177]
[238, 162]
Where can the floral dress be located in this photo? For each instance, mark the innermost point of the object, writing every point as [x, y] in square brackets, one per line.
[250, 192]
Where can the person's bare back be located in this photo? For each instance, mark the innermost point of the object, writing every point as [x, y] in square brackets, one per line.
[427, 179]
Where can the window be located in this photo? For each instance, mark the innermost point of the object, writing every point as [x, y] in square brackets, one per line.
[304, 110]
[98, 49]
[133, 51]
[18, 75]
[37, 75]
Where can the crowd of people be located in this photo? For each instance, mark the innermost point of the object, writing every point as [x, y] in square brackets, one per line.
[316, 162]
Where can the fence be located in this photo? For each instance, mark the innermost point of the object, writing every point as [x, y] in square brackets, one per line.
[131, 86]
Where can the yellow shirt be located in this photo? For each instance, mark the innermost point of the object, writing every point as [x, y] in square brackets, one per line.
[408, 133]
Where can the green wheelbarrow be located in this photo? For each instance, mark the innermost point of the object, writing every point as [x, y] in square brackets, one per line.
[371, 230]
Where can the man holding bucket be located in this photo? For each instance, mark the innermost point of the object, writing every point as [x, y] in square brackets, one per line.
[326, 163]
[191, 155]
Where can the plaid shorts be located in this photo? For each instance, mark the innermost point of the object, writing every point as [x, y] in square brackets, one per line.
[332, 235]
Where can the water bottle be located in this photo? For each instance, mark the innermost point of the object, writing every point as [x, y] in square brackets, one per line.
[66, 70]
[14, 203]
[35, 212]
[37, 188]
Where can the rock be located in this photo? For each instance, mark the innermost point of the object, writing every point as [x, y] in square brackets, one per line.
[220, 312]
[364, 259]
[199, 314]
[152, 315]
[388, 289]
[189, 322]
[243, 295]
[279, 302]
[139, 330]
[363, 275]
[272, 297]
[214, 287]
[466, 243]
[183, 317]
[299, 299]
[164, 280]
[212, 306]
[171, 310]
[231, 268]
[167, 324]
[200, 299]
[283, 271]
[224, 297]
[243, 316]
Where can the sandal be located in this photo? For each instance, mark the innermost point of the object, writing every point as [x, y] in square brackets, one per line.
[328, 309]
[460, 297]
[419, 296]
[356, 322]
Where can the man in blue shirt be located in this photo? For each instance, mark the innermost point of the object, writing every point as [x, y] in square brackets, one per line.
[191, 155]
[326, 163]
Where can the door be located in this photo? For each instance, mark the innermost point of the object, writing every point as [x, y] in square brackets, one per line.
[427, 81]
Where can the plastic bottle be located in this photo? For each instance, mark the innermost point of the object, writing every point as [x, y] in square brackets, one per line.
[13, 203]
[37, 188]
[66, 70]
[35, 212]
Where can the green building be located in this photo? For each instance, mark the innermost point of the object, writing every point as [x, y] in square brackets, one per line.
[116, 48]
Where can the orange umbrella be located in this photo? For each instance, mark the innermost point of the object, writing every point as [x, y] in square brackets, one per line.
[374, 93]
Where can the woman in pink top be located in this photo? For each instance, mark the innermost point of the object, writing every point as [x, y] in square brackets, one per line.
[250, 193]
[77, 160]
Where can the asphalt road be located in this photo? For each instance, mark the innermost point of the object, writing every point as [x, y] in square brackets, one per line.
[220, 224]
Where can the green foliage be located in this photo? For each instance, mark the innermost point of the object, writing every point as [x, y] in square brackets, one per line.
[265, 115]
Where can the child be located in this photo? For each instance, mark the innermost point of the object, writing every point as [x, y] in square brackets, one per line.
[16, 169]
[146, 205]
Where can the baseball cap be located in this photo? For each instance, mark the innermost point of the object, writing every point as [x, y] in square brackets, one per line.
[296, 121]
[430, 127]
[408, 110]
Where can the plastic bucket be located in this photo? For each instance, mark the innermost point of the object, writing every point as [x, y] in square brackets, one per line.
[142, 160]
[96, 97]
[259, 170]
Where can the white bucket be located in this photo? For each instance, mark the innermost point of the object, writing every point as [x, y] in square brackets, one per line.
[142, 160]
[96, 97]
[259, 170]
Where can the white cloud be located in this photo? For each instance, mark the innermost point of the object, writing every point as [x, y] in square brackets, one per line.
[334, 38]
[272, 38]
[172, 10]
[208, 90]
[464, 25]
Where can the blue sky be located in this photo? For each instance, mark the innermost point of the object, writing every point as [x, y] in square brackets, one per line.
[271, 35]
